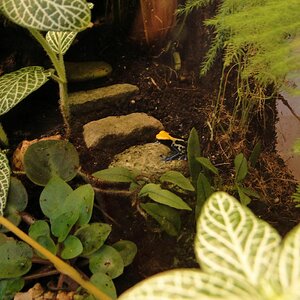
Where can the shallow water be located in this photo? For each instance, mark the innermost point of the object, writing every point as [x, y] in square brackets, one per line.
[288, 130]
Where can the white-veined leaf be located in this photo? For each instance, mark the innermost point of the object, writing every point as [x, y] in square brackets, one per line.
[188, 284]
[45, 15]
[289, 261]
[232, 241]
[60, 41]
[156, 193]
[16, 86]
[4, 181]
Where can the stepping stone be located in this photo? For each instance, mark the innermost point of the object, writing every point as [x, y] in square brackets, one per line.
[87, 70]
[148, 159]
[116, 131]
[97, 99]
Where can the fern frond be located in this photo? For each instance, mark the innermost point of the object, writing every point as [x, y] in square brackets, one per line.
[296, 196]
[190, 5]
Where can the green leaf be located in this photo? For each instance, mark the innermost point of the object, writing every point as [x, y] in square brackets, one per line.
[187, 284]
[40, 232]
[232, 242]
[16, 202]
[118, 174]
[255, 154]
[92, 236]
[60, 41]
[15, 259]
[81, 200]
[3, 136]
[53, 195]
[107, 260]
[39, 228]
[72, 247]
[288, 268]
[4, 180]
[245, 200]
[105, 284]
[156, 193]
[249, 192]
[9, 287]
[204, 191]
[63, 223]
[167, 217]
[16, 86]
[127, 250]
[178, 179]
[241, 168]
[206, 163]
[44, 15]
[45, 159]
[193, 151]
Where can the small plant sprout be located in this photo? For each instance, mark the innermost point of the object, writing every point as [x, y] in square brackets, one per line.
[241, 257]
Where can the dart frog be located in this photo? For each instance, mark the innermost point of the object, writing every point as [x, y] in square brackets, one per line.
[177, 146]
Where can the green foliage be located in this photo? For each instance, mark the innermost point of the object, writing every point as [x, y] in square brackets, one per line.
[15, 258]
[177, 179]
[9, 287]
[105, 284]
[157, 194]
[127, 250]
[16, 202]
[16, 86]
[166, 193]
[241, 257]
[62, 19]
[4, 180]
[296, 196]
[167, 217]
[45, 159]
[57, 15]
[117, 174]
[107, 260]
[92, 236]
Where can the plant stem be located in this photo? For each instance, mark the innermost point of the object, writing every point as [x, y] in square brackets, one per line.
[60, 265]
[59, 66]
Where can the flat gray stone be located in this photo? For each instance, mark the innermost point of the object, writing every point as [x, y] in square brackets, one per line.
[87, 70]
[97, 99]
[115, 131]
[148, 159]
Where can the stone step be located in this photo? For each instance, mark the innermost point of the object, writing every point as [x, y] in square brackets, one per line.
[96, 99]
[115, 131]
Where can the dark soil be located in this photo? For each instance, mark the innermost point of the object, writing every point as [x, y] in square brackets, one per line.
[180, 100]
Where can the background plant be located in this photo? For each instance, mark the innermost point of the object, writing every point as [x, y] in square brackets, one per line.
[241, 257]
[259, 41]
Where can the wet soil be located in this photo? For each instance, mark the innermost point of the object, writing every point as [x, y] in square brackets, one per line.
[180, 100]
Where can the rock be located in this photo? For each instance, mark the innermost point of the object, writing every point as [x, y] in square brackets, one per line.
[148, 160]
[87, 70]
[97, 99]
[112, 131]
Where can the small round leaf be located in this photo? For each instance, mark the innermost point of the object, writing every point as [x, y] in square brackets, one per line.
[45, 159]
[15, 259]
[104, 283]
[72, 247]
[127, 250]
[107, 260]
[93, 236]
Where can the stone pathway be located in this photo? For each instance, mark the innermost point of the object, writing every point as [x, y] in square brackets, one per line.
[137, 130]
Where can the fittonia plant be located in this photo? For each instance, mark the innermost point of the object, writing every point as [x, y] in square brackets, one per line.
[241, 257]
[61, 20]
